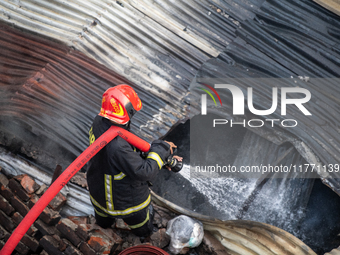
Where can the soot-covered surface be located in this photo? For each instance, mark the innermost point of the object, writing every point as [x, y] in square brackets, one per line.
[304, 207]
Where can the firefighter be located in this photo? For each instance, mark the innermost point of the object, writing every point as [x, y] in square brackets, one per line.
[118, 176]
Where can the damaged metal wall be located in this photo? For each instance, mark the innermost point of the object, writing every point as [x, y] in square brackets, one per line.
[49, 96]
[152, 48]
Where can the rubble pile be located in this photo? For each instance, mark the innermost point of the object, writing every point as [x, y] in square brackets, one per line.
[53, 234]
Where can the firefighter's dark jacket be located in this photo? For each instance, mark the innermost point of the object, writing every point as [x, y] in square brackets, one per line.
[118, 176]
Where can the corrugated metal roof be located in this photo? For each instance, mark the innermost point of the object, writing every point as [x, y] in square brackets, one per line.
[285, 41]
[50, 95]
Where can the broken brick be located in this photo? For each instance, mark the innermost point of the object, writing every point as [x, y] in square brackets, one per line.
[3, 179]
[2, 244]
[160, 238]
[5, 206]
[62, 243]
[68, 228]
[30, 242]
[49, 216]
[57, 202]
[86, 249]
[3, 233]
[99, 243]
[17, 218]
[21, 248]
[120, 224]
[50, 245]
[45, 229]
[78, 219]
[29, 185]
[6, 221]
[6, 192]
[109, 233]
[18, 190]
[33, 200]
[32, 231]
[71, 250]
[19, 206]
[41, 190]
[82, 231]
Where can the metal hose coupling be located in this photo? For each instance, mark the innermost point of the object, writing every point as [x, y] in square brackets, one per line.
[173, 163]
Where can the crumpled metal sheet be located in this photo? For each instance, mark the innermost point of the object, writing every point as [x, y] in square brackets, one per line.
[245, 237]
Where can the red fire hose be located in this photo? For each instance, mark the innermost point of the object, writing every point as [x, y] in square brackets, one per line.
[61, 181]
[143, 250]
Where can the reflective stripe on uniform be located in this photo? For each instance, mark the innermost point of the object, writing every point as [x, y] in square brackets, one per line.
[108, 192]
[119, 176]
[142, 223]
[157, 158]
[122, 212]
[99, 213]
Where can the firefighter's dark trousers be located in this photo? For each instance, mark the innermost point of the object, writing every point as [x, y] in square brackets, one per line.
[140, 222]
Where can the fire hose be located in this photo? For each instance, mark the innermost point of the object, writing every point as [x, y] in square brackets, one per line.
[63, 179]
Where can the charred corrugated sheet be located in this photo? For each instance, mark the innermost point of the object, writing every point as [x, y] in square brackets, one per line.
[289, 41]
[157, 48]
[49, 96]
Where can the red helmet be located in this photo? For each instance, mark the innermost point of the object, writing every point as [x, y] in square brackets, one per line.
[120, 103]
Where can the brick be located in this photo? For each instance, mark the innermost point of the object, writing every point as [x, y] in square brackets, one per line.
[68, 228]
[5, 206]
[82, 231]
[2, 244]
[4, 233]
[19, 177]
[49, 216]
[41, 190]
[57, 202]
[45, 229]
[3, 179]
[86, 249]
[32, 231]
[120, 224]
[6, 192]
[33, 200]
[109, 233]
[99, 243]
[160, 238]
[17, 218]
[30, 242]
[22, 249]
[71, 250]
[50, 245]
[79, 219]
[19, 206]
[29, 185]
[6, 221]
[18, 190]
[62, 244]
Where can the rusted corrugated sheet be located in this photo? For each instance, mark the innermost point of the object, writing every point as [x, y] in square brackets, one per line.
[49, 96]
